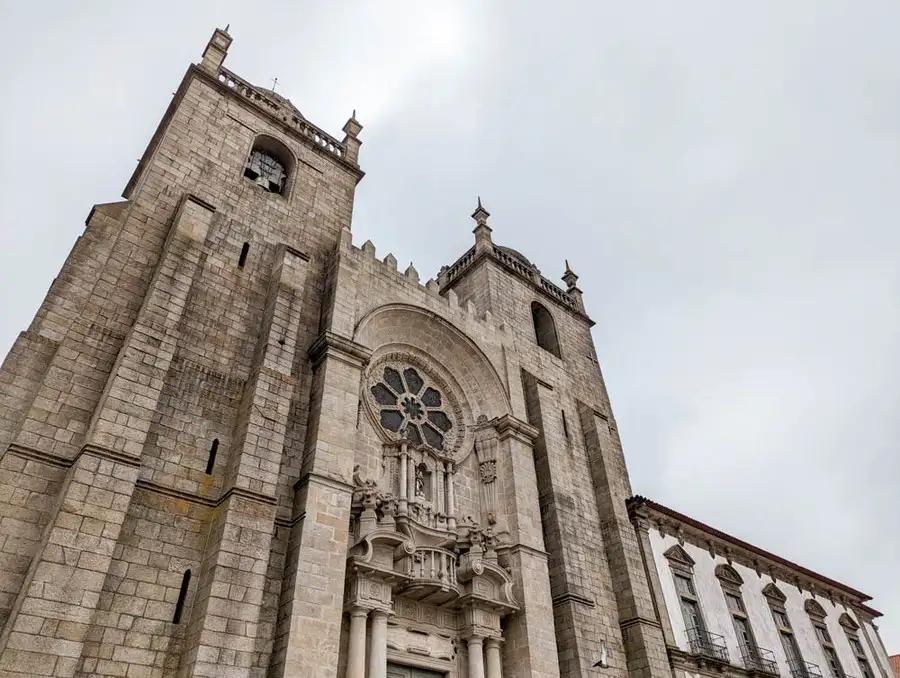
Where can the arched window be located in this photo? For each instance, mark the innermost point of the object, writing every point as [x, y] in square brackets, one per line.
[269, 165]
[545, 329]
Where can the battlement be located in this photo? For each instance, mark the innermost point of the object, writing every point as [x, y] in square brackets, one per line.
[410, 278]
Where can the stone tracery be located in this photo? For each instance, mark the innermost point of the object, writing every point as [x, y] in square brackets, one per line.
[410, 407]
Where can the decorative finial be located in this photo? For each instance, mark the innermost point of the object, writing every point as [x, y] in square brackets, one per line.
[274, 83]
[354, 114]
[227, 26]
[571, 281]
[569, 276]
[480, 215]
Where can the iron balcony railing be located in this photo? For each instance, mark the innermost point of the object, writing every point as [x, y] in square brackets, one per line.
[804, 669]
[759, 659]
[706, 644]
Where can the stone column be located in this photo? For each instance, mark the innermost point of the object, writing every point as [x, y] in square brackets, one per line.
[356, 650]
[451, 499]
[378, 645]
[476, 657]
[404, 497]
[411, 478]
[492, 651]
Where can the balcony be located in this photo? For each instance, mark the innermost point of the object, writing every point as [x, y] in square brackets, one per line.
[804, 669]
[759, 659]
[706, 644]
[432, 574]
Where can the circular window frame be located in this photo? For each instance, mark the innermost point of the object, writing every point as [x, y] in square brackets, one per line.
[454, 438]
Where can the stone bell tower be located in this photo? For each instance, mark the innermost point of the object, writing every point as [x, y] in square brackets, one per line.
[234, 443]
[154, 419]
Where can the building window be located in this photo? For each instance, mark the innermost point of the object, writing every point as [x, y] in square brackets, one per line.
[269, 165]
[700, 641]
[851, 630]
[182, 596]
[411, 406]
[545, 329]
[755, 658]
[817, 616]
[799, 667]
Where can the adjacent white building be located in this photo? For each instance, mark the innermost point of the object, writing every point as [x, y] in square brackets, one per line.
[726, 606]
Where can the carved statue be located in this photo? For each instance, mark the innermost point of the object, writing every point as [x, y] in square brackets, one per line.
[420, 482]
[358, 481]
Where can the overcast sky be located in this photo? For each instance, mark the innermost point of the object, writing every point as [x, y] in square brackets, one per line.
[723, 176]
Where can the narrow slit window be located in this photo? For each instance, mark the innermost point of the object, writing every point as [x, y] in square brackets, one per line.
[211, 462]
[243, 258]
[182, 594]
[565, 423]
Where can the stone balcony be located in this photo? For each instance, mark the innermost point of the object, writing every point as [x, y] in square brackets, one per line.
[431, 574]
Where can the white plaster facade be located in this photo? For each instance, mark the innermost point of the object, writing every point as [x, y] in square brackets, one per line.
[709, 551]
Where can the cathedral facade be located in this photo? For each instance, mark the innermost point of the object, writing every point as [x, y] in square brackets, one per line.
[235, 442]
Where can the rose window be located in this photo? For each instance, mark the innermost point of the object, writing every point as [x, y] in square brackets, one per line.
[409, 406]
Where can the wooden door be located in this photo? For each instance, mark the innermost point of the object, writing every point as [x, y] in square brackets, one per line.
[397, 671]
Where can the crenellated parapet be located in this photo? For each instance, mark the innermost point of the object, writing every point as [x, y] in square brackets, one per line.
[428, 292]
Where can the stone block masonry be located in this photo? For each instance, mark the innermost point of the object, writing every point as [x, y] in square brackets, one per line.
[234, 443]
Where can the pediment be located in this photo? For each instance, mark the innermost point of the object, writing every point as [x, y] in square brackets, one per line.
[678, 555]
[813, 608]
[727, 574]
[773, 592]
[848, 622]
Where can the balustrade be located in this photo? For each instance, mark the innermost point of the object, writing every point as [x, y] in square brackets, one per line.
[804, 669]
[431, 564]
[706, 644]
[304, 127]
[759, 659]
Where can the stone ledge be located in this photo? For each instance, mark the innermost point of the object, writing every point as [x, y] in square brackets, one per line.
[509, 426]
[110, 454]
[573, 598]
[333, 345]
[32, 454]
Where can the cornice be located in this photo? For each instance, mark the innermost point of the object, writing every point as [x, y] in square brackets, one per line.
[646, 513]
[335, 346]
[509, 426]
